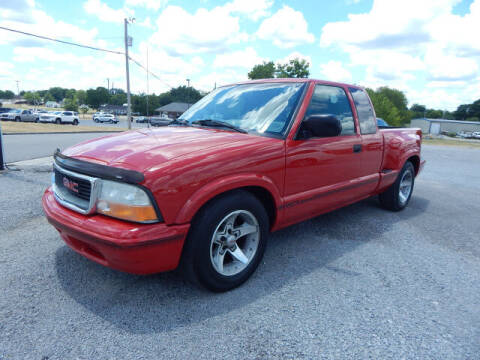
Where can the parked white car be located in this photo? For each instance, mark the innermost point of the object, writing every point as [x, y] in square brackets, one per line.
[60, 117]
[105, 118]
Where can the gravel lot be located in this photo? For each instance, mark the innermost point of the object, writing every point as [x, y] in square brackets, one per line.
[357, 283]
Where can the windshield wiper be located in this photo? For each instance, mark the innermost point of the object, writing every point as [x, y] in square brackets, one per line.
[218, 123]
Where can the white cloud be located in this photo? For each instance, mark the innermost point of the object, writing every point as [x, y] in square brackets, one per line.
[286, 28]
[180, 32]
[254, 9]
[335, 71]
[106, 13]
[24, 15]
[148, 4]
[399, 42]
[246, 58]
[295, 55]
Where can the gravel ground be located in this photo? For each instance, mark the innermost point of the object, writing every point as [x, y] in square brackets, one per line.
[353, 284]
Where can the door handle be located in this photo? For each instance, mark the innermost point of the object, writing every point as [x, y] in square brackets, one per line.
[357, 148]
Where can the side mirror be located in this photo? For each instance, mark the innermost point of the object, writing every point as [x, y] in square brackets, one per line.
[326, 125]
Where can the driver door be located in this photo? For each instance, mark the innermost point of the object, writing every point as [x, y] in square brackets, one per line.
[321, 173]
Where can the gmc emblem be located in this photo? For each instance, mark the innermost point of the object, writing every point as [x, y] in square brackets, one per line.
[69, 184]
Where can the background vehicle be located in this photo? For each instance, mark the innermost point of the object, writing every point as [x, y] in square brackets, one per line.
[10, 115]
[5, 110]
[160, 121]
[382, 123]
[60, 117]
[106, 118]
[20, 115]
[141, 119]
[205, 192]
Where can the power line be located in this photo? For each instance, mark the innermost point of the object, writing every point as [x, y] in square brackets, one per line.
[151, 73]
[62, 41]
[87, 47]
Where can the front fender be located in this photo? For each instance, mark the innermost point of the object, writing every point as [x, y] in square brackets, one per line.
[222, 185]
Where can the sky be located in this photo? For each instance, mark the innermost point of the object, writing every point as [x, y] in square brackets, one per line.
[430, 49]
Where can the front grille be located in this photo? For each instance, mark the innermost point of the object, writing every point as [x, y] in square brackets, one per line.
[75, 186]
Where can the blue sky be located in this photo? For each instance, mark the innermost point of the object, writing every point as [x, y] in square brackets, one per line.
[427, 48]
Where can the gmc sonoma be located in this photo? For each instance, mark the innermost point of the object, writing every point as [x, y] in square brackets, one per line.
[204, 192]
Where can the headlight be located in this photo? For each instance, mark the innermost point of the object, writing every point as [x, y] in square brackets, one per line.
[125, 202]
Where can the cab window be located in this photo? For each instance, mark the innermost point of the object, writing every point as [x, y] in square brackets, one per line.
[332, 100]
[368, 124]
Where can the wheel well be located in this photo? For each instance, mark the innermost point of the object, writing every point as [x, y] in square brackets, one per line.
[415, 160]
[262, 194]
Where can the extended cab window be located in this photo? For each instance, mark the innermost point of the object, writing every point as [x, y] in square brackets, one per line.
[332, 100]
[367, 121]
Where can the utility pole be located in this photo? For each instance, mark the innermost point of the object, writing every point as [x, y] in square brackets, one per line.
[2, 160]
[18, 88]
[147, 84]
[188, 82]
[108, 85]
[128, 42]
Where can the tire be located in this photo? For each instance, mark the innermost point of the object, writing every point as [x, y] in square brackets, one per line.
[37, 120]
[208, 257]
[58, 121]
[75, 122]
[398, 195]
[17, 119]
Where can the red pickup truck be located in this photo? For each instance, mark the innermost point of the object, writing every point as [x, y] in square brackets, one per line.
[205, 191]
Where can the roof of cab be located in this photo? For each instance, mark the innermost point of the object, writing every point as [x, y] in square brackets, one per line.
[294, 80]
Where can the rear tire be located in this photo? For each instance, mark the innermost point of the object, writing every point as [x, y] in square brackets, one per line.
[398, 195]
[17, 119]
[75, 122]
[226, 242]
[58, 121]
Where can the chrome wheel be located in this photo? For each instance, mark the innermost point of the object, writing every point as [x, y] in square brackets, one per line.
[406, 184]
[234, 242]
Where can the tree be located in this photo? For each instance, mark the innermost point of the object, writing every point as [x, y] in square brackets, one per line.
[384, 108]
[434, 114]
[48, 97]
[97, 97]
[7, 94]
[295, 68]
[83, 109]
[32, 97]
[397, 97]
[58, 93]
[81, 96]
[186, 94]
[70, 104]
[262, 71]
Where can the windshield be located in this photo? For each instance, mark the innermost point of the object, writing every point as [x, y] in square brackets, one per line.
[261, 108]
[16, 111]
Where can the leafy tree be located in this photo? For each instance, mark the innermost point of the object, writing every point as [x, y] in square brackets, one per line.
[434, 114]
[97, 97]
[295, 68]
[58, 93]
[83, 109]
[397, 97]
[385, 108]
[48, 97]
[70, 104]
[7, 94]
[118, 99]
[70, 93]
[418, 108]
[81, 96]
[186, 94]
[262, 71]
[32, 97]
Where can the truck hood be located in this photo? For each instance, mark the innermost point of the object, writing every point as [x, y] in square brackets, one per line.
[144, 148]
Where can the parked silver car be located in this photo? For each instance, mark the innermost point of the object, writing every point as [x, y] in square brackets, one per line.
[19, 115]
[105, 118]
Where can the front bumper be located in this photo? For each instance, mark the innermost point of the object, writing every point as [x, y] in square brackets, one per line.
[130, 247]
